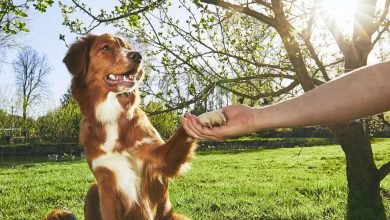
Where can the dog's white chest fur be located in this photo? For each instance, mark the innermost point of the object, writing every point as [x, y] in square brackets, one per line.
[127, 175]
[126, 169]
[109, 110]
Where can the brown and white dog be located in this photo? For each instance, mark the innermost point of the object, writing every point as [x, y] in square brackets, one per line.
[129, 159]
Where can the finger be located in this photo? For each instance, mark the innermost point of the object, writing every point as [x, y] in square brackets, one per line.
[199, 129]
[190, 132]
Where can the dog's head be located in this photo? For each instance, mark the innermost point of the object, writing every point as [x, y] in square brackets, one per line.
[104, 62]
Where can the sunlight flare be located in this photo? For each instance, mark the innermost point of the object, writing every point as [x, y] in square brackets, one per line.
[343, 11]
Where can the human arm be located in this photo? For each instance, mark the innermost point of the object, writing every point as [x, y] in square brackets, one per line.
[363, 92]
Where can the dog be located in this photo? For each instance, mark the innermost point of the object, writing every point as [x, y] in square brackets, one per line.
[130, 161]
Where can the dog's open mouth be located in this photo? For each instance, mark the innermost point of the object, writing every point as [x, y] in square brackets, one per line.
[127, 79]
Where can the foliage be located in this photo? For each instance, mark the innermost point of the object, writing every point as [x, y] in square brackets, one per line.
[129, 12]
[10, 126]
[60, 125]
[231, 52]
[165, 123]
[379, 124]
[13, 15]
[387, 116]
[376, 125]
[296, 183]
[4, 123]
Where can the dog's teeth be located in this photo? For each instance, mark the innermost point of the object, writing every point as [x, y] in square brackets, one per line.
[112, 77]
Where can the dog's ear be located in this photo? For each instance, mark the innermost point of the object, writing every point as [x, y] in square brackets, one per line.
[77, 57]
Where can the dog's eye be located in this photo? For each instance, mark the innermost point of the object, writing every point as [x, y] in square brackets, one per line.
[106, 47]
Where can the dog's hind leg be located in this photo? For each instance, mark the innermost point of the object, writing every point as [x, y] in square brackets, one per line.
[175, 216]
[171, 215]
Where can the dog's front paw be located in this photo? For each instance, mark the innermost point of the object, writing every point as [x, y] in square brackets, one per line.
[214, 118]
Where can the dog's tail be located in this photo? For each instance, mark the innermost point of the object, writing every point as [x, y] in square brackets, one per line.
[60, 215]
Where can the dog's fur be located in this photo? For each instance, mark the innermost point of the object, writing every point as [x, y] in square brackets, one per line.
[130, 161]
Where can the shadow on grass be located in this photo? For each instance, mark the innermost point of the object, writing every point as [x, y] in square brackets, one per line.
[229, 152]
[30, 160]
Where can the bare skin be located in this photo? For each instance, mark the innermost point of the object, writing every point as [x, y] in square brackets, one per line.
[363, 92]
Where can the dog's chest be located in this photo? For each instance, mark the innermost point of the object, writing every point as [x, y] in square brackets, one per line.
[118, 146]
[126, 167]
[126, 172]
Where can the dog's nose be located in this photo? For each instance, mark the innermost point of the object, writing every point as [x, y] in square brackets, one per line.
[136, 56]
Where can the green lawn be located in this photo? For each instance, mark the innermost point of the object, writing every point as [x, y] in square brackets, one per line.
[294, 183]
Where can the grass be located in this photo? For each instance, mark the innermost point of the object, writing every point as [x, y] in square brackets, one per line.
[292, 183]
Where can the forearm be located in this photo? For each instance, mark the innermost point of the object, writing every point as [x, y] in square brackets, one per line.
[361, 93]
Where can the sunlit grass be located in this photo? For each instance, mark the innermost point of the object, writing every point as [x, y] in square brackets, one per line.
[294, 183]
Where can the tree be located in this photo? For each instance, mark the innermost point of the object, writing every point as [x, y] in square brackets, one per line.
[31, 70]
[10, 105]
[261, 49]
[13, 15]
[60, 125]
[165, 123]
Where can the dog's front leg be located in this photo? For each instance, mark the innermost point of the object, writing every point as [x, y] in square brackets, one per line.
[174, 153]
[179, 148]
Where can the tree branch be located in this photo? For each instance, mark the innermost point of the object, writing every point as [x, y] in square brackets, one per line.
[262, 95]
[384, 170]
[331, 25]
[319, 63]
[198, 97]
[141, 10]
[381, 32]
[306, 35]
[384, 14]
[220, 83]
[263, 3]
[260, 76]
[244, 10]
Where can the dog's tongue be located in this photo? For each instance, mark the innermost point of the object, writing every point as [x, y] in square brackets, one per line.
[126, 83]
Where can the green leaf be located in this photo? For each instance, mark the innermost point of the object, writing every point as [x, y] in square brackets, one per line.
[20, 14]
[135, 17]
[23, 27]
[49, 2]
[191, 89]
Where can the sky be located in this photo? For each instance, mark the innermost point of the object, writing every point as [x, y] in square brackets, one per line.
[45, 29]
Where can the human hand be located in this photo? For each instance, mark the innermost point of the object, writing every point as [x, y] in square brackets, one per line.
[240, 121]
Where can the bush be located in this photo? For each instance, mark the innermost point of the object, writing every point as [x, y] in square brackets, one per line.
[60, 125]
[165, 123]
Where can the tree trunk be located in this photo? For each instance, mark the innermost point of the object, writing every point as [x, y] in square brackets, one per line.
[364, 199]
[24, 124]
